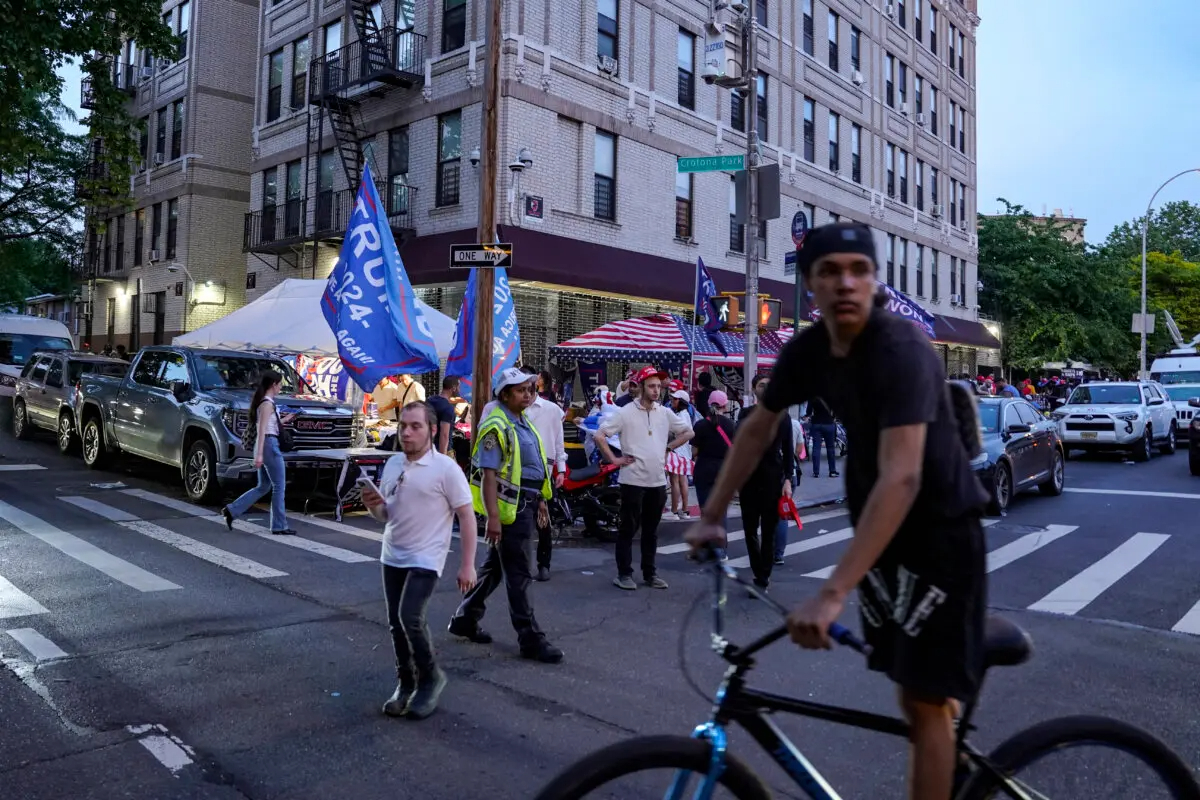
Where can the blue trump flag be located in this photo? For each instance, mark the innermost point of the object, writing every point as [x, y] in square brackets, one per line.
[506, 337]
[706, 290]
[369, 303]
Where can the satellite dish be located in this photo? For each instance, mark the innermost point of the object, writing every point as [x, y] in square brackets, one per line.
[1176, 336]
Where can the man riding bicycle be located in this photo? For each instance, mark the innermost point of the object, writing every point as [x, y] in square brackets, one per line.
[917, 556]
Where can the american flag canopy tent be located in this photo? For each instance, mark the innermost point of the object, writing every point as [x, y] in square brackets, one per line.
[665, 340]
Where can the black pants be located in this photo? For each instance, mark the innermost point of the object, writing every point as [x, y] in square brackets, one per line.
[827, 435]
[545, 544]
[407, 591]
[508, 561]
[641, 507]
[759, 500]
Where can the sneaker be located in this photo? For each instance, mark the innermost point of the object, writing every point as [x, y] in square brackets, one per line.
[397, 704]
[425, 699]
[228, 515]
[544, 652]
[655, 582]
[683, 515]
[835, 474]
[284, 532]
[779, 561]
[462, 627]
[625, 582]
[543, 574]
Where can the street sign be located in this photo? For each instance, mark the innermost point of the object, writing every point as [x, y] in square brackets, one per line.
[789, 263]
[470, 256]
[733, 163]
[1138, 323]
[799, 227]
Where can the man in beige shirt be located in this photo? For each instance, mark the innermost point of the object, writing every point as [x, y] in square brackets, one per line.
[392, 395]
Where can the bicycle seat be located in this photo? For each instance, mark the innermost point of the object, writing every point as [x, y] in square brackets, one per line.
[583, 473]
[1005, 644]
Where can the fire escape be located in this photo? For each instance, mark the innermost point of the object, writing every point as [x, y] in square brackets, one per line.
[341, 83]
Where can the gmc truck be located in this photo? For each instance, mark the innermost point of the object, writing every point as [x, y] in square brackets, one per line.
[188, 408]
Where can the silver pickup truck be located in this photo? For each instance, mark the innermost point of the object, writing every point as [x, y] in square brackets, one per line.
[188, 408]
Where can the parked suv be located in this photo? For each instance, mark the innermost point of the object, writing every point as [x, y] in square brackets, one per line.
[45, 392]
[1132, 416]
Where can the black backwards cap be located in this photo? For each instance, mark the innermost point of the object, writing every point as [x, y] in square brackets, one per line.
[837, 237]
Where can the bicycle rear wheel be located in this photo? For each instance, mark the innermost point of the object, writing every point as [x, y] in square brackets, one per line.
[1170, 777]
[597, 775]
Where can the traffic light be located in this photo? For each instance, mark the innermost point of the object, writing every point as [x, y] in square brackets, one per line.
[770, 314]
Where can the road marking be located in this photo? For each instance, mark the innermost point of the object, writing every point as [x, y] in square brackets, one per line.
[342, 527]
[737, 536]
[41, 648]
[1085, 587]
[1190, 622]
[990, 521]
[19, 467]
[101, 509]
[85, 552]
[15, 603]
[167, 749]
[329, 551]
[1019, 548]
[803, 546]
[1137, 493]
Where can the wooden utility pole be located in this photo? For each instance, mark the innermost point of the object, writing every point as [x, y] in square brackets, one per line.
[489, 156]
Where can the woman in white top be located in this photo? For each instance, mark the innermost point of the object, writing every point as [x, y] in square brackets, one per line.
[679, 460]
[268, 458]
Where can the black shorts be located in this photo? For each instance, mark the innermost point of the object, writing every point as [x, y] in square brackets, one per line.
[923, 608]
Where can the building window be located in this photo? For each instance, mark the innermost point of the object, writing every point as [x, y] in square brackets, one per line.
[962, 55]
[962, 203]
[760, 12]
[835, 161]
[953, 129]
[454, 24]
[760, 241]
[810, 211]
[737, 231]
[605, 193]
[962, 130]
[891, 260]
[182, 25]
[952, 33]
[962, 281]
[172, 227]
[953, 205]
[764, 114]
[120, 250]
[855, 49]
[833, 41]
[270, 201]
[808, 27]
[919, 93]
[954, 299]
[889, 77]
[920, 179]
[449, 155]
[685, 56]
[177, 129]
[606, 28]
[332, 40]
[274, 85]
[933, 15]
[144, 139]
[737, 111]
[301, 50]
[933, 275]
[810, 130]
[111, 318]
[901, 17]
[294, 203]
[902, 167]
[856, 153]
[139, 235]
[891, 170]
[920, 269]
[155, 226]
[160, 132]
[326, 167]
[933, 186]
[933, 107]
[917, 30]
[903, 265]
[406, 13]
[902, 83]
[398, 191]
[683, 205]
[108, 236]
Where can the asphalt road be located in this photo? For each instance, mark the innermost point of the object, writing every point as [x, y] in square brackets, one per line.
[149, 653]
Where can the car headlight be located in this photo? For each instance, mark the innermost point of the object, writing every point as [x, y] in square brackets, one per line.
[980, 460]
[1057, 415]
[232, 418]
[1128, 416]
[7, 380]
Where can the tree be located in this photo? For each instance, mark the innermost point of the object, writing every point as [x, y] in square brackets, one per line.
[1055, 299]
[29, 267]
[1172, 284]
[1173, 228]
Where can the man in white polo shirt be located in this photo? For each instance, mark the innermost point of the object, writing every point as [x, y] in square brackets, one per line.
[648, 431]
[420, 493]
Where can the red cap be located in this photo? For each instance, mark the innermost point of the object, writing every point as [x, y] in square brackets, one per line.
[675, 384]
[648, 372]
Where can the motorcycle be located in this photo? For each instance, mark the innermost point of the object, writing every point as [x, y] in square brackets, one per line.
[588, 493]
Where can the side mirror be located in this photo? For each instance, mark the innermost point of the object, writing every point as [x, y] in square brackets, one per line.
[1194, 402]
[1019, 427]
[181, 390]
[1157, 401]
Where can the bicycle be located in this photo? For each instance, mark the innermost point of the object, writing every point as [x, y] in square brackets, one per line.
[980, 777]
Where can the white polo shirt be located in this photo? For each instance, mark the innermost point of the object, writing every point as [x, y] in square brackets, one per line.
[644, 435]
[421, 498]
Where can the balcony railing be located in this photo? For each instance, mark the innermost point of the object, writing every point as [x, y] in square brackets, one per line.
[123, 78]
[332, 213]
[326, 216]
[400, 201]
[395, 58]
[274, 227]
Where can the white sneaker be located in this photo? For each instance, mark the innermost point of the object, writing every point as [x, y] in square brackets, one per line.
[682, 515]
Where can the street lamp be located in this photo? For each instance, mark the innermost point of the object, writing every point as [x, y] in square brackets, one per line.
[174, 268]
[1145, 228]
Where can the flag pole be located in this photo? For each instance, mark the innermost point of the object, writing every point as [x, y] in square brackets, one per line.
[691, 381]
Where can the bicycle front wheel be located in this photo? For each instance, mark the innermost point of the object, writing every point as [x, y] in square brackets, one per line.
[1046, 761]
[648, 767]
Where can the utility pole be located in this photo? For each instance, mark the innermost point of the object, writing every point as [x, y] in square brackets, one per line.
[485, 277]
[750, 69]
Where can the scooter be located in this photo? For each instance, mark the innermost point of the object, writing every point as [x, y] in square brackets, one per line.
[588, 492]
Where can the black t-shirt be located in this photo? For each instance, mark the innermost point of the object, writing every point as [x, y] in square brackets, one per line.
[623, 400]
[778, 461]
[892, 377]
[819, 412]
[444, 410]
[710, 447]
[701, 400]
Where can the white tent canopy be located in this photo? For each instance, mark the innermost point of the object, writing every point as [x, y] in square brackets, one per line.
[288, 319]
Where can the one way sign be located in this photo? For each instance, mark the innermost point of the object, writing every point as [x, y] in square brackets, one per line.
[470, 256]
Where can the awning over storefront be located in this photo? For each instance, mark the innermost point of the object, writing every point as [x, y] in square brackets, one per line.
[665, 340]
[965, 332]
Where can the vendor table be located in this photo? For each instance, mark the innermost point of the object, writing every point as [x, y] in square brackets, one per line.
[367, 459]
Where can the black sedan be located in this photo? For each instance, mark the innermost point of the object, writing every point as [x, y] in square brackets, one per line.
[1021, 449]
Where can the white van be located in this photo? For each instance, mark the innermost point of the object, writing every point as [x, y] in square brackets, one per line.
[21, 335]
[1181, 365]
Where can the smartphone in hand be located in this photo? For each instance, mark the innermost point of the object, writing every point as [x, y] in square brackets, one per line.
[371, 495]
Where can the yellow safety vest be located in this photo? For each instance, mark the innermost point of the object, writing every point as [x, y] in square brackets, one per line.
[508, 477]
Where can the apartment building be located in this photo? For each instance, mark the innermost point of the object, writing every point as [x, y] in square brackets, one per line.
[168, 257]
[869, 109]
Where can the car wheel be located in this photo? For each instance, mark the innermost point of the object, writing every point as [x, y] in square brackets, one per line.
[66, 434]
[1001, 489]
[94, 454]
[200, 473]
[1142, 450]
[1168, 447]
[21, 421]
[1053, 486]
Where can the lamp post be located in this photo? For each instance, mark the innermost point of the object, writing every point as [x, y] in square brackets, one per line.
[1145, 229]
[190, 295]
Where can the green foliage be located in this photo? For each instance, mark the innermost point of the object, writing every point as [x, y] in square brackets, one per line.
[1172, 284]
[1174, 228]
[29, 267]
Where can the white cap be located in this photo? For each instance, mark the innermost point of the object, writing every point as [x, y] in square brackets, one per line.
[512, 377]
[680, 394]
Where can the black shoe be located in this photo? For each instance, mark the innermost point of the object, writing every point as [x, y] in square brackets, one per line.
[425, 699]
[284, 532]
[816, 475]
[543, 574]
[397, 705]
[835, 474]
[461, 626]
[779, 561]
[228, 515]
[543, 651]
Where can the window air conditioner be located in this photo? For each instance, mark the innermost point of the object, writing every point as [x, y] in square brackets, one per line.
[904, 109]
[608, 65]
[938, 210]
[159, 160]
[146, 73]
[962, 225]
[921, 119]
[155, 255]
[857, 78]
[956, 299]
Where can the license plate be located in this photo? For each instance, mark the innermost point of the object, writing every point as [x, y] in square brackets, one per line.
[1088, 435]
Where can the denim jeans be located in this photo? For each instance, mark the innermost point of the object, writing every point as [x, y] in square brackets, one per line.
[407, 590]
[704, 485]
[271, 478]
[781, 537]
[824, 435]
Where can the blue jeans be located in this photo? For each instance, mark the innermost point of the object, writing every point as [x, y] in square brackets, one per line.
[271, 478]
[703, 487]
[826, 435]
[781, 532]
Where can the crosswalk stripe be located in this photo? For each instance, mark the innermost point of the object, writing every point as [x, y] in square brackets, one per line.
[1137, 493]
[38, 646]
[342, 527]
[19, 467]
[1085, 587]
[15, 603]
[320, 548]
[1019, 548]
[1190, 622]
[205, 552]
[802, 546]
[737, 536]
[85, 552]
